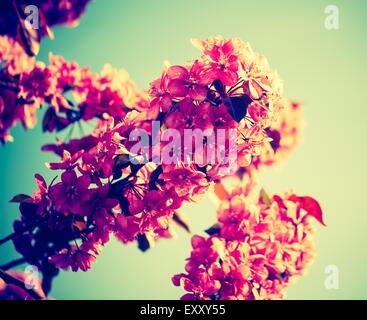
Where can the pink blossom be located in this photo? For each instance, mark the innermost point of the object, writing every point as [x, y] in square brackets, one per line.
[258, 246]
[72, 193]
[185, 82]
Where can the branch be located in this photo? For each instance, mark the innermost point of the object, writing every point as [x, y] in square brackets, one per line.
[8, 238]
[13, 264]
[14, 281]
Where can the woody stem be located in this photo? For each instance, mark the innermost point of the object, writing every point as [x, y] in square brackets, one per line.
[13, 264]
[8, 238]
[7, 278]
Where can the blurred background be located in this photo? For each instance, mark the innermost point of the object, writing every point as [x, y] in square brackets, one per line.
[323, 69]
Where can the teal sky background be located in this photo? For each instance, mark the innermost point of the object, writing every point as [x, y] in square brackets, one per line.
[323, 69]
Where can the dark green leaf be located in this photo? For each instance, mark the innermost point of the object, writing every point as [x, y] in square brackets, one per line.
[275, 136]
[154, 177]
[48, 117]
[19, 198]
[144, 243]
[125, 204]
[237, 106]
[214, 229]
[121, 161]
[181, 220]
[218, 85]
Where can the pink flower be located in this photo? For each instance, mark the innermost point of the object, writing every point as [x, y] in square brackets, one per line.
[127, 228]
[14, 59]
[36, 85]
[189, 116]
[185, 82]
[258, 246]
[161, 98]
[155, 209]
[74, 258]
[256, 80]
[72, 193]
[223, 63]
[186, 181]
[100, 101]
[40, 195]
[102, 192]
[67, 73]
[200, 284]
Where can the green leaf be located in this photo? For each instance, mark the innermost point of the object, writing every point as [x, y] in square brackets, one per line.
[20, 198]
[265, 197]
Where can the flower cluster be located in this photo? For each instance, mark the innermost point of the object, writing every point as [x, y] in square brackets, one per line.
[71, 93]
[46, 13]
[285, 133]
[24, 83]
[65, 224]
[77, 94]
[258, 246]
[107, 186]
[229, 86]
[13, 109]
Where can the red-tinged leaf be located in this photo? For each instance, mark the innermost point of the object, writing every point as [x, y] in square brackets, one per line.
[75, 156]
[220, 191]
[311, 206]
[40, 182]
[181, 220]
[20, 198]
[80, 225]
